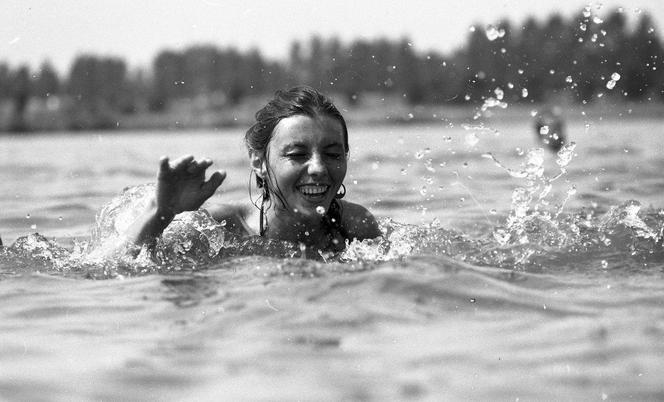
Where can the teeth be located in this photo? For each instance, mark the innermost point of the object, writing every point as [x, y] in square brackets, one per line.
[313, 189]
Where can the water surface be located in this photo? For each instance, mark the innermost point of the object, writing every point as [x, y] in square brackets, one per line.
[473, 294]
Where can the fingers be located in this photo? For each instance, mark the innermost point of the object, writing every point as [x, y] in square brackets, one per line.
[163, 167]
[196, 167]
[183, 165]
[210, 186]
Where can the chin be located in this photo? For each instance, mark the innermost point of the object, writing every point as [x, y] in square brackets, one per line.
[309, 210]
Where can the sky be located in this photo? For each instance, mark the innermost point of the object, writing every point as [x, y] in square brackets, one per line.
[32, 31]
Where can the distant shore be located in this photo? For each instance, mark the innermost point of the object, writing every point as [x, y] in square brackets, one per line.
[41, 119]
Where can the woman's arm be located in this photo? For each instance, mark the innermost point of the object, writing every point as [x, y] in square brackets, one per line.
[181, 186]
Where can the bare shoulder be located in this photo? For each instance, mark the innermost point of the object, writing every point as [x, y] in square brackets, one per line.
[358, 221]
[235, 215]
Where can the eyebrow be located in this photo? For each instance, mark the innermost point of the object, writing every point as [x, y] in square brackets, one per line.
[304, 145]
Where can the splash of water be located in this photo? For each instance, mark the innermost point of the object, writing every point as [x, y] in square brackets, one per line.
[530, 206]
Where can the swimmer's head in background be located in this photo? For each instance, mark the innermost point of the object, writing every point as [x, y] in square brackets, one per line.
[299, 100]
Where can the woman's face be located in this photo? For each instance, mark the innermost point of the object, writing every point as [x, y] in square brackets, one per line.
[306, 160]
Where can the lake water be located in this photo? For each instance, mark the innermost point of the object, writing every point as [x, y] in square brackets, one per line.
[490, 284]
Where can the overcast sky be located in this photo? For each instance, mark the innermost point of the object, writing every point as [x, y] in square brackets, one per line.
[58, 30]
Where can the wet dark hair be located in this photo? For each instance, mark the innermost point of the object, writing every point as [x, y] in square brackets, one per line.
[300, 100]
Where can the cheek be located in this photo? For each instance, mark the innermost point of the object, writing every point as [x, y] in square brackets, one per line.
[340, 170]
[283, 172]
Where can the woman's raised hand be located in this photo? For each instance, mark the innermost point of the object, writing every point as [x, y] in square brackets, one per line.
[181, 184]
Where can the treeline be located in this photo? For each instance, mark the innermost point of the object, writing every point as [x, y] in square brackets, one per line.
[581, 59]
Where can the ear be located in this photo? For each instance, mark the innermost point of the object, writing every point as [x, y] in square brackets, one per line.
[258, 165]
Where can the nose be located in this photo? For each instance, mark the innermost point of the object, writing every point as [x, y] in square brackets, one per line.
[316, 165]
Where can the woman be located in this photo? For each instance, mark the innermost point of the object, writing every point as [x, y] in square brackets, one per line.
[298, 151]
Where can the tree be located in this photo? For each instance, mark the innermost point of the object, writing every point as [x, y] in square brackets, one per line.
[20, 94]
[46, 83]
[168, 76]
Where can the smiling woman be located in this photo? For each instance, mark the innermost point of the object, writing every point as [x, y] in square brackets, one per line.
[298, 151]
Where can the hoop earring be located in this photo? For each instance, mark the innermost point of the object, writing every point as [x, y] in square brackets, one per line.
[341, 193]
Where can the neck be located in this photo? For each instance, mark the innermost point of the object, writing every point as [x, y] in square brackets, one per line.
[283, 225]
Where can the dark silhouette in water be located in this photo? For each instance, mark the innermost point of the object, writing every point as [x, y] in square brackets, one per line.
[549, 128]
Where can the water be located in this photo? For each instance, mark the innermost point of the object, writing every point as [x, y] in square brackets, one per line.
[539, 279]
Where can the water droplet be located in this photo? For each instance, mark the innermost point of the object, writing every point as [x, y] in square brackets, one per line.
[610, 84]
[493, 211]
[499, 93]
[411, 116]
[354, 181]
[33, 227]
[467, 97]
[375, 166]
[533, 113]
[472, 140]
[222, 223]
[27, 216]
[586, 12]
[60, 218]
[510, 85]
[419, 154]
[651, 30]
[604, 264]
[320, 210]
[544, 130]
[423, 190]
[582, 26]
[615, 76]
[597, 20]
[568, 79]
[524, 92]
[493, 33]
[404, 171]
[472, 300]
[519, 71]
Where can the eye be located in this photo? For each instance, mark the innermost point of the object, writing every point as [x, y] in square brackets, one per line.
[334, 155]
[296, 155]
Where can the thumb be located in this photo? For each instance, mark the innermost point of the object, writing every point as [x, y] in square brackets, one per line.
[210, 186]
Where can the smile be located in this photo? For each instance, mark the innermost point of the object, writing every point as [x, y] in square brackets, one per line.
[313, 190]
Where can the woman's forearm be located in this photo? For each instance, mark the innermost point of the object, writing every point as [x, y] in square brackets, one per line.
[149, 226]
